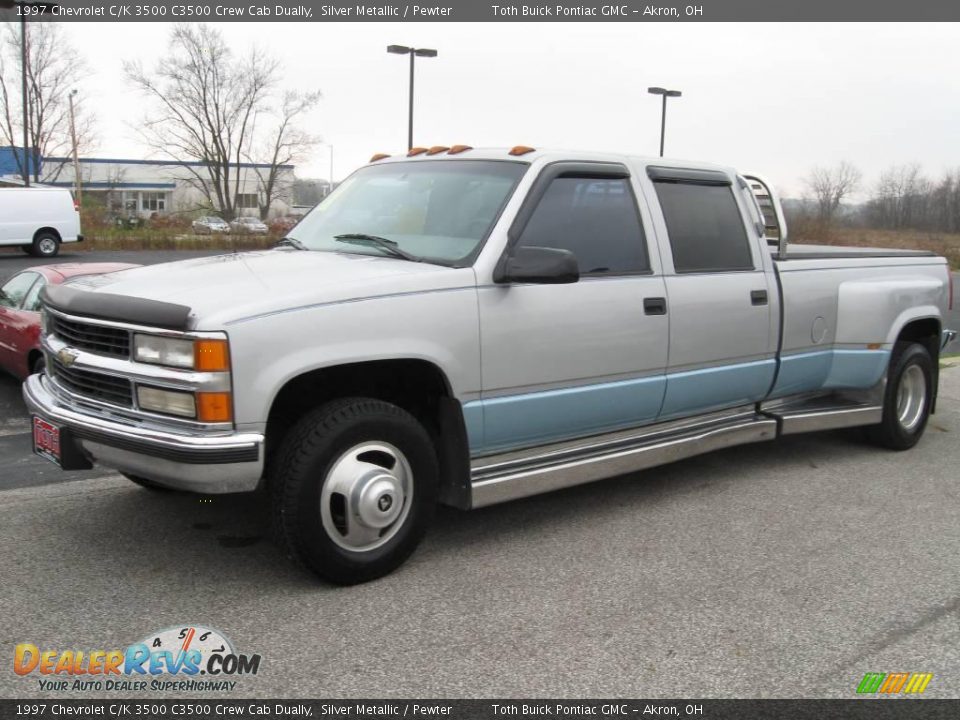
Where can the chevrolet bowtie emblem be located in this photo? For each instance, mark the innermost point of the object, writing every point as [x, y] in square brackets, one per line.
[67, 356]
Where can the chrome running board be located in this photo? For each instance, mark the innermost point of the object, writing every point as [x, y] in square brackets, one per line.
[515, 475]
[832, 414]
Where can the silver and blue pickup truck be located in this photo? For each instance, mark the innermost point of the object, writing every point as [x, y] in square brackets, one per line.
[470, 326]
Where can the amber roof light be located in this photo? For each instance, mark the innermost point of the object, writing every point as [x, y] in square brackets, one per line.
[521, 150]
[457, 149]
[437, 149]
[416, 151]
[379, 156]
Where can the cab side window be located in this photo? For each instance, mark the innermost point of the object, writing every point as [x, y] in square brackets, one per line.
[594, 218]
[13, 293]
[705, 227]
[32, 301]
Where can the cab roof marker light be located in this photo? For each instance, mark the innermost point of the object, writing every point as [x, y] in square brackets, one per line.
[379, 156]
[457, 149]
[521, 150]
[437, 149]
[416, 151]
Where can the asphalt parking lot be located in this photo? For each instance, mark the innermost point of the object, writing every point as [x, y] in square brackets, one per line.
[778, 570]
[785, 569]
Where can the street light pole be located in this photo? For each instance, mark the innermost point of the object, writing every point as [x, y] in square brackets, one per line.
[663, 112]
[76, 159]
[23, 90]
[413, 53]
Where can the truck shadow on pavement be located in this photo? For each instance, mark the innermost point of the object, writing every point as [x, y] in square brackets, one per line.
[227, 539]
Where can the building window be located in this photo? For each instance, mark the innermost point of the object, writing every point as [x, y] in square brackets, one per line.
[247, 201]
[153, 201]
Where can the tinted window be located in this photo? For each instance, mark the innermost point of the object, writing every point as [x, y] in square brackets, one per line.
[595, 219]
[32, 301]
[12, 294]
[705, 226]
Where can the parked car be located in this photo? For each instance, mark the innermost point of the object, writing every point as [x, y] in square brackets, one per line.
[209, 225]
[475, 327]
[38, 219]
[281, 225]
[249, 225]
[20, 351]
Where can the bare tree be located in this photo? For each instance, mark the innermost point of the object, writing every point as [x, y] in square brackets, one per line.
[830, 186]
[53, 69]
[204, 101]
[287, 144]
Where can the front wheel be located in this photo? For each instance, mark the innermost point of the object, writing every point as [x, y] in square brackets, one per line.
[45, 245]
[355, 486]
[907, 398]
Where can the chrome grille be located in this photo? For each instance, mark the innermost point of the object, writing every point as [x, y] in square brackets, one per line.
[92, 338]
[105, 388]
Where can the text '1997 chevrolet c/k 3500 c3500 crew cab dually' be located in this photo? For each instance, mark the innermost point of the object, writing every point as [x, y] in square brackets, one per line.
[471, 326]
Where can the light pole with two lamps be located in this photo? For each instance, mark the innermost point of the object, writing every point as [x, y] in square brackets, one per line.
[413, 53]
[663, 114]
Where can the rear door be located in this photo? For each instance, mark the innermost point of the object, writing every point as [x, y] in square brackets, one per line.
[565, 361]
[722, 335]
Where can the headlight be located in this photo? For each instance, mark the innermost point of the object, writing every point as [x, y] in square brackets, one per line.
[157, 350]
[208, 355]
[168, 402]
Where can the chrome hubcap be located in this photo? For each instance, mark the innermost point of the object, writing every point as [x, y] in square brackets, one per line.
[366, 496]
[48, 245]
[911, 397]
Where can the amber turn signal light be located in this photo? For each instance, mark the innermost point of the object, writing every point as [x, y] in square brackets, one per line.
[211, 355]
[213, 407]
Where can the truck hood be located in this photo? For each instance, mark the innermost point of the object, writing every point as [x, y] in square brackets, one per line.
[227, 288]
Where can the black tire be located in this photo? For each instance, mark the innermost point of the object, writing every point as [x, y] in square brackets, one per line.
[305, 475]
[148, 484]
[45, 245]
[911, 369]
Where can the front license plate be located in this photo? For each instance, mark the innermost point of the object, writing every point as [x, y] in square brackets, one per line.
[46, 440]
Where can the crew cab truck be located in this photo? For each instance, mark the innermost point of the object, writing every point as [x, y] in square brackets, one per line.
[470, 326]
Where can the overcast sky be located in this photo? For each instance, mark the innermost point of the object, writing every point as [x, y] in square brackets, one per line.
[774, 98]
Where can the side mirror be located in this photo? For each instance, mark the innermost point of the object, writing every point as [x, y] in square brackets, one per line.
[540, 265]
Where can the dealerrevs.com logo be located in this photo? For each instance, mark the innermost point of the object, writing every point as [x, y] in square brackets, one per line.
[178, 659]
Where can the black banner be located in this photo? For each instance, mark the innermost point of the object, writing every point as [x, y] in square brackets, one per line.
[481, 10]
[865, 709]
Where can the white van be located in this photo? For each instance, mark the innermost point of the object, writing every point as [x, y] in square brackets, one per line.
[38, 219]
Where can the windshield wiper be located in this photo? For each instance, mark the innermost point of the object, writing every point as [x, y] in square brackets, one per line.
[388, 246]
[291, 242]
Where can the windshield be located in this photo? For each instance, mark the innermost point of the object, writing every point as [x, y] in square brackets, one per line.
[440, 211]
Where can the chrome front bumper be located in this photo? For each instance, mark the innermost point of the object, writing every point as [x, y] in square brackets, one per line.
[201, 463]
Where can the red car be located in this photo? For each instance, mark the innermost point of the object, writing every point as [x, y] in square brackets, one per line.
[20, 311]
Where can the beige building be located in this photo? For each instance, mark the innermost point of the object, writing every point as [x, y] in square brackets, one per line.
[144, 187]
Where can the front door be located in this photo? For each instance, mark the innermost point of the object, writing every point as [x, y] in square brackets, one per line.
[13, 321]
[565, 361]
